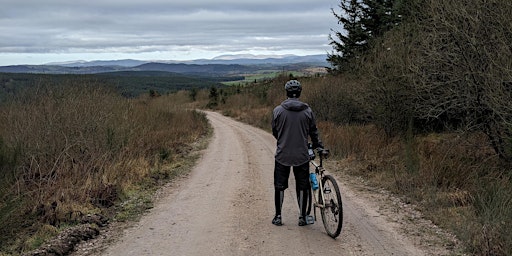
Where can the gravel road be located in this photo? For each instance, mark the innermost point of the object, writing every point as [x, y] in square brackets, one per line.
[225, 207]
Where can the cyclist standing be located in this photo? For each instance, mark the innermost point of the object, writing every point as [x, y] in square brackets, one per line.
[292, 123]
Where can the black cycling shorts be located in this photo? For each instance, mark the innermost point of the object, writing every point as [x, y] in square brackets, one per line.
[282, 173]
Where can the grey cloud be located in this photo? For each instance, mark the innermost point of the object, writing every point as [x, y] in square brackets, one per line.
[158, 25]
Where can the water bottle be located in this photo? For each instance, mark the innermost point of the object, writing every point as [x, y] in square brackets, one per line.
[314, 181]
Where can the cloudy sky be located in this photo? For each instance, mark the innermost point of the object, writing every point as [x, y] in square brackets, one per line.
[43, 31]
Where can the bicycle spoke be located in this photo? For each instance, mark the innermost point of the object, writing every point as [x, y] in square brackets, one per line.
[332, 214]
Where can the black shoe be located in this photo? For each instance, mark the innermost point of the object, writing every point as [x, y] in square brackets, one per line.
[277, 220]
[302, 221]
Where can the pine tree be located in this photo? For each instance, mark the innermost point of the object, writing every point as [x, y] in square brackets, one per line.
[362, 21]
[379, 16]
[352, 43]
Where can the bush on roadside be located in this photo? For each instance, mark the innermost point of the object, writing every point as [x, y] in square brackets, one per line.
[72, 149]
[456, 178]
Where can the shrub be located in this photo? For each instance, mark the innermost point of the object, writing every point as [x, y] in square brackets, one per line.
[77, 148]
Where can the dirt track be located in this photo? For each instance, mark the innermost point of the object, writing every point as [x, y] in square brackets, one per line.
[225, 207]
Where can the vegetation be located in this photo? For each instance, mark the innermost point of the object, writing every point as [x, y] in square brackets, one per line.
[128, 83]
[77, 149]
[423, 111]
[257, 77]
[455, 178]
[363, 21]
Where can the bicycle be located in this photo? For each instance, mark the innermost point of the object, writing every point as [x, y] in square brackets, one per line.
[327, 196]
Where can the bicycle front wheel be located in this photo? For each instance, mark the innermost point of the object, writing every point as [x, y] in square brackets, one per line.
[332, 213]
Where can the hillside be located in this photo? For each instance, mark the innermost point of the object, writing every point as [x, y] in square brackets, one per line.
[223, 66]
[195, 69]
[240, 59]
[127, 83]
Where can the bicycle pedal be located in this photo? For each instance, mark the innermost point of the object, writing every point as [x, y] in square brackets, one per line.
[310, 220]
[327, 190]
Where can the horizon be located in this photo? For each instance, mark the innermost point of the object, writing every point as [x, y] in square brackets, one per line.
[61, 31]
[225, 57]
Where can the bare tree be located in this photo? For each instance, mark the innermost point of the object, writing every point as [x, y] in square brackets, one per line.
[464, 69]
[450, 66]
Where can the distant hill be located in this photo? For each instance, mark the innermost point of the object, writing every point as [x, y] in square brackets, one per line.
[314, 60]
[82, 63]
[220, 66]
[127, 83]
[196, 69]
[241, 59]
[50, 69]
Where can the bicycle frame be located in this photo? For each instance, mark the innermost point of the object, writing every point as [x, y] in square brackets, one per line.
[330, 203]
[318, 194]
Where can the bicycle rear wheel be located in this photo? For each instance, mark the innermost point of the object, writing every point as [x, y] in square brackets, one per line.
[332, 213]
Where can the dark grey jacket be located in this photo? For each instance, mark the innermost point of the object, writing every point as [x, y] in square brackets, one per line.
[292, 122]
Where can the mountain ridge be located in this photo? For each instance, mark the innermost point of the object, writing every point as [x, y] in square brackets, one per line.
[223, 65]
[249, 59]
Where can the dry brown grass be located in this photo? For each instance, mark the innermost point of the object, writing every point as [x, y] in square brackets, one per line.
[456, 179]
[248, 109]
[75, 149]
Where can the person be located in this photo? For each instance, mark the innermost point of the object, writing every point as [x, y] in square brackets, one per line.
[293, 122]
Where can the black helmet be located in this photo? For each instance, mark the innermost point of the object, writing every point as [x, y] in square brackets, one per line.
[293, 88]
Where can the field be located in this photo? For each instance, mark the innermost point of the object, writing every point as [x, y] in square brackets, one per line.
[272, 74]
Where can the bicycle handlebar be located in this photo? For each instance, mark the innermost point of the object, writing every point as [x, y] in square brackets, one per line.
[323, 153]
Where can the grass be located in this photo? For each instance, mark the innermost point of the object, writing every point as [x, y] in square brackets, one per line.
[71, 150]
[75, 149]
[456, 179]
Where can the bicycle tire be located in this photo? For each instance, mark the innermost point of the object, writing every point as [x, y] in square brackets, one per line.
[332, 213]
